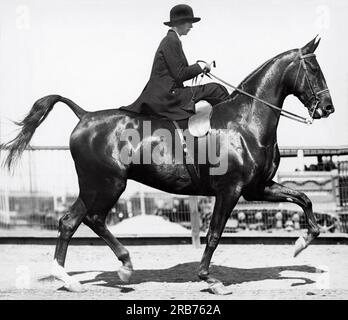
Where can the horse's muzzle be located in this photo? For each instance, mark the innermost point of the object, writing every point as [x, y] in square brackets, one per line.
[329, 108]
[324, 109]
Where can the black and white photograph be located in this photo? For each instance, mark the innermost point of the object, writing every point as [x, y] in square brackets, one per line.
[192, 152]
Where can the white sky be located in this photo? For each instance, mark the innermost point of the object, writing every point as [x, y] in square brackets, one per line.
[99, 54]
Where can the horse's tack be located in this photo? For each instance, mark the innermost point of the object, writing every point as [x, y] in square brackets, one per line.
[285, 113]
[198, 126]
[189, 162]
[199, 123]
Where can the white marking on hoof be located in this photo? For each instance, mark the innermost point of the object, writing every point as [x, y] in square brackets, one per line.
[124, 273]
[74, 286]
[70, 283]
[300, 245]
[219, 288]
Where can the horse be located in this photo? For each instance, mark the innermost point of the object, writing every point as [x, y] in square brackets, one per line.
[246, 126]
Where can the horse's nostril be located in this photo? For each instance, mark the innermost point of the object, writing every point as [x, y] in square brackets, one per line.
[329, 108]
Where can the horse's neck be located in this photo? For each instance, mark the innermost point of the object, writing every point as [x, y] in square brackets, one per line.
[269, 86]
[267, 83]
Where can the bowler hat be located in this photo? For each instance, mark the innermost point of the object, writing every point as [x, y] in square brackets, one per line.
[181, 12]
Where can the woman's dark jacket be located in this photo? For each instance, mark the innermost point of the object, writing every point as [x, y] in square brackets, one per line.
[165, 95]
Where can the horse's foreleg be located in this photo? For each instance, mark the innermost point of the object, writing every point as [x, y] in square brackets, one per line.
[278, 193]
[224, 204]
[67, 227]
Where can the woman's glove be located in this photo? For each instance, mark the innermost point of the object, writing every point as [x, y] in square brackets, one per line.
[206, 67]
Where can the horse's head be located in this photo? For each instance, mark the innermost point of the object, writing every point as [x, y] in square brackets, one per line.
[309, 82]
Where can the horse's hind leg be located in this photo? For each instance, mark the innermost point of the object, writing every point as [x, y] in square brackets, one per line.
[224, 204]
[67, 227]
[95, 219]
[275, 192]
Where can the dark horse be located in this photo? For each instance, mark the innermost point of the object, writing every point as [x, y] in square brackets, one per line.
[246, 126]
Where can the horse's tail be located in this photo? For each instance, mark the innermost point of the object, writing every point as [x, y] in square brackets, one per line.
[35, 117]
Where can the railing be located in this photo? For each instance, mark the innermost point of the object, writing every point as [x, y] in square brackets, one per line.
[343, 183]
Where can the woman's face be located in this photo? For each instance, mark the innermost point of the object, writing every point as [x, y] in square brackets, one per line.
[183, 28]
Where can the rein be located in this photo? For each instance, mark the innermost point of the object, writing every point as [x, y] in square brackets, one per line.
[283, 112]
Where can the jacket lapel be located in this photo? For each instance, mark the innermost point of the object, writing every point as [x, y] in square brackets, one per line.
[172, 33]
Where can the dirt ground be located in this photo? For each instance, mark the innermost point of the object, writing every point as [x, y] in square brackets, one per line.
[170, 272]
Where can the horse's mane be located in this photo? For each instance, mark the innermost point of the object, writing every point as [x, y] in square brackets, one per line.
[254, 73]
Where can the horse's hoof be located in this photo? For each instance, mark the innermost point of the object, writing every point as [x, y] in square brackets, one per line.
[74, 287]
[219, 289]
[300, 245]
[124, 273]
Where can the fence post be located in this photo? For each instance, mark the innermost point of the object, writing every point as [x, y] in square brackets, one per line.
[195, 221]
[142, 203]
[300, 160]
[335, 186]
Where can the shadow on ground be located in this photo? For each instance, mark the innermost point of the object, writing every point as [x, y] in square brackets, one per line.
[186, 272]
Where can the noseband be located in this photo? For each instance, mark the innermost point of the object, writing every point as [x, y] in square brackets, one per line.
[314, 94]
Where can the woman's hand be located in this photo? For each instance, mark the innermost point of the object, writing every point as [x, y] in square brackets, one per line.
[206, 67]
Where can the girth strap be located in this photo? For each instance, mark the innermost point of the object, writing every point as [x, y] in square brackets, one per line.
[188, 161]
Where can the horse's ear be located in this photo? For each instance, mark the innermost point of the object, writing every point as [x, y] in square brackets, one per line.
[315, 46]
[311, 46]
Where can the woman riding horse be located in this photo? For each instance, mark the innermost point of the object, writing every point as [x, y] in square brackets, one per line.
[164, 95]
[245, 125]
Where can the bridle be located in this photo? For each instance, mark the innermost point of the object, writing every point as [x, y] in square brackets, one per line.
[283, 112]
[314, 95]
